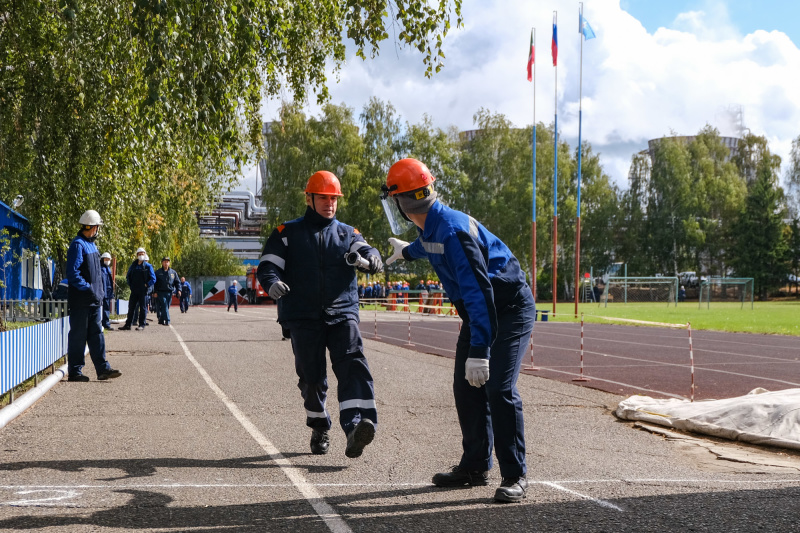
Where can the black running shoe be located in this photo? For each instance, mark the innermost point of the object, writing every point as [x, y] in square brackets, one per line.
[460, 477]
[358, 439]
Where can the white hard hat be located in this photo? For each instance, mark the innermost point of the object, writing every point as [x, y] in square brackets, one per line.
[140, 251]
[105, 256]
[234, 282]
[91, 218]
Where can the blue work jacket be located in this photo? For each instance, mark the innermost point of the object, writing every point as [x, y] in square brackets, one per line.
[308, 254]
[477, 270]
[186, 289]
[83, 274]
[141, 277]
[108, 282]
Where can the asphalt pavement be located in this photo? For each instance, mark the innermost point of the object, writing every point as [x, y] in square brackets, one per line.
[205, 431]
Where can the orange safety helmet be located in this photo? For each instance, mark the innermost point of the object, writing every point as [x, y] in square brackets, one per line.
[324, 182]
[407, 175]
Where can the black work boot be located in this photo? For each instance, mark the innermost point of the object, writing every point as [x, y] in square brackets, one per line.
[358, 439]
[78, 377]
[320, 441]
[460, 477]
[109, 374]
[512, 489]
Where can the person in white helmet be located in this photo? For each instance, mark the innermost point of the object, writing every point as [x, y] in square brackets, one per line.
[85, 300]
[108, 287]
[141, 278]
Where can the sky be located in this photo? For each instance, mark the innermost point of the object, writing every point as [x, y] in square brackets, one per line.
[655, 68]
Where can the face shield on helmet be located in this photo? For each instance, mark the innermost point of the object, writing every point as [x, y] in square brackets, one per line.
[404, 176]
[398, 221]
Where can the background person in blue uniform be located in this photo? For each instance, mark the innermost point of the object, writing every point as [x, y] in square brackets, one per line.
[141, 278]
[85, 297]
[108, 287]
[303, 267]
[233, 293]
[488, 288]
[186, 293]
[167, 283]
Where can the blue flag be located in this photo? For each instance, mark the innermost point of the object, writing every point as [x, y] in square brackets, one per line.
[585, 28]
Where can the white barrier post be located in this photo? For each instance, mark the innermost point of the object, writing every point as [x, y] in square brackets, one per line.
[531, 366]
[409, 343]
[581, 377]
[376, 320]
[691, 357]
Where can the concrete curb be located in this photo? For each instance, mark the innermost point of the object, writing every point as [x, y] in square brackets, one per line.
[10, 412]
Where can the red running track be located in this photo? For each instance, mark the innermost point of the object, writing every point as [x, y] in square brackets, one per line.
[626, 360]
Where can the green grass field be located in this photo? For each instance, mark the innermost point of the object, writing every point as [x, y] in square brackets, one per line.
[776, 317]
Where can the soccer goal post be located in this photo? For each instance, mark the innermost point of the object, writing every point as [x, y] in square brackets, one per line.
[730, 290]
[640, 290]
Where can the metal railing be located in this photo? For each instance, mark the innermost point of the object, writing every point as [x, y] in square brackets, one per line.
[32, 310]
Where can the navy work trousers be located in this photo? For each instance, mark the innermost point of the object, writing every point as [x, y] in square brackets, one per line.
[356, 392]
[492, 414]
[137, 309]
[185, 304]
[106, 312]
[85, 328]
[164, 299]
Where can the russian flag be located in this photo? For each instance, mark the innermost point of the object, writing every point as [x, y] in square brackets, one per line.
[554, 46]
[530, 59]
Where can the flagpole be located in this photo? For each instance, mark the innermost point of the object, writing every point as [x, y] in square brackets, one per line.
[555, 170]
[533, 144]
[580, 149]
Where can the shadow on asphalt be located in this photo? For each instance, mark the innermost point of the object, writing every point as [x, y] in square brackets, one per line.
[135, 468]
[750, 510]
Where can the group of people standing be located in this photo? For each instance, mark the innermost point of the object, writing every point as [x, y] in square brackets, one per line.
[303, 268]
[150, 287]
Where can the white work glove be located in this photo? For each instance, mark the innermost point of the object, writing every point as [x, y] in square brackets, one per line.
[278, 290]
[375, 264]
[477, 371]
[398, 246]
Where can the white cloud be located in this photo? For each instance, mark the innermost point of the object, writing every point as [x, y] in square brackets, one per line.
[636, 85]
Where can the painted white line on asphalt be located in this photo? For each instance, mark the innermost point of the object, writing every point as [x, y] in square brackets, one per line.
[332, 519]
[602, 481]
[601, 503]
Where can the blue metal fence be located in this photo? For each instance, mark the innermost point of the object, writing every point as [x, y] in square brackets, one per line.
[26, 351]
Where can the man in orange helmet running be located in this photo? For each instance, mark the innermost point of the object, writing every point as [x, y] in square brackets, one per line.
[485, 283]
[303, 265]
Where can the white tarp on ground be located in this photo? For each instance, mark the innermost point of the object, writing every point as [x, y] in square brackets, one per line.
[760, 417]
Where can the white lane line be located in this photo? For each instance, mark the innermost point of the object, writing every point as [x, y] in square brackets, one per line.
[679, 365]
[682, 347]
[630, 386]
[601, 503]
[332, 519]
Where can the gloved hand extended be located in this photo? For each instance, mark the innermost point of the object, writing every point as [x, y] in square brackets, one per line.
[398, 246]
[375, 264]
[477, 371]
[278, 290]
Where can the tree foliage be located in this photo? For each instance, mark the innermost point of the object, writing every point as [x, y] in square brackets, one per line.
[144, 109]
[204, 257]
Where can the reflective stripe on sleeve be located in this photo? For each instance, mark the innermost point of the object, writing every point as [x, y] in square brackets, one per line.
[360, 404]
[358, 245]
[274, 259]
